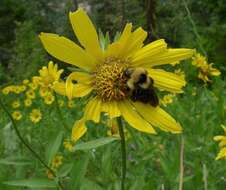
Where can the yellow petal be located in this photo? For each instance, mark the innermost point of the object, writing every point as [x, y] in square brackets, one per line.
[224, 128]
[214, 72]
[67, 51]
[148, 51]
[158, 117]
[78, 130]
[81, 77]
[221, 154]
[222, 143]
[93, 110]
[134, 43]
[59, 88]
[86, 33]
[111, 108]
[133, 118]
[125, 34]
[219, 138]
[80, 89]
[166, 80]
[167, 57]
[115, 48]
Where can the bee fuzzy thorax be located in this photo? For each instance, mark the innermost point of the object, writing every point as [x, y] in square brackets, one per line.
[140, 86]
[137, 77]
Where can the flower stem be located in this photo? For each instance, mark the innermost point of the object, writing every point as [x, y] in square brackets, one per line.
[194, 28]
[27, 145]
[60, 114]
[123, 152]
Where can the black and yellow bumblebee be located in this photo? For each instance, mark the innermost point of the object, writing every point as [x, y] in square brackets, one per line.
[140, 86]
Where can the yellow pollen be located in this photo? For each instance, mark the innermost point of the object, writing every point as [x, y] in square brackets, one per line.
[109, 79]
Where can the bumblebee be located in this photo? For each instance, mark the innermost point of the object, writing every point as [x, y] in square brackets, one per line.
[140, 86]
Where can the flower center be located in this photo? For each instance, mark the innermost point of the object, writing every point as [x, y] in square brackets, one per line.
[48, 80]
[109, 79]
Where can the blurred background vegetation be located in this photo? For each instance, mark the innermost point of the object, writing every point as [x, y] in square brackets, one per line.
[21, 21]
[153, 160]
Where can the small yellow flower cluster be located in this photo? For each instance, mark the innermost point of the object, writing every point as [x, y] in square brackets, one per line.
[70, 104]
[222, 144]
[35, 115]
[205, 70]
[17, 115]
[16, 104]
[68, 145]
[55, 164]
[28, 90]
[48, 77]
[16, 89]
[180, 73]
[167, 99]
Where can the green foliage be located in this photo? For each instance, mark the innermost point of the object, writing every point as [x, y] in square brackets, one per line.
[95, 143]
[153, 161]
[32, 183]
[54, 146]
[28, 53]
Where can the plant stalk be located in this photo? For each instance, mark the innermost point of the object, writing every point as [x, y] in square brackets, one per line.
[194, 28]
[123, 152]
[27, 145]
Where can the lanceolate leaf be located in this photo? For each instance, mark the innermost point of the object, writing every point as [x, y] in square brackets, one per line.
[94, 143]
[53, 146]
[32, 183]
[18, 161]
[78, 173]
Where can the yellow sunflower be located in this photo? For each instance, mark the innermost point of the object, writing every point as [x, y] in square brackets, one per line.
[205, 70]
[167, 99]
[35, 115]
[25, 81]
[101, 74]
[16, 104]
[30, 94]
[17, 115]
[222, 144]
[56, 162]
[27, 102]
[49, 75]
[49, 99]
[43, 91]
[70, 104]
[6, 90]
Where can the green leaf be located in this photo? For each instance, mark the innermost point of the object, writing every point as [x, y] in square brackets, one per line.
[78, 172]
[107, 40]
[32, 183]
[94, 143]
[88, 184]
[64, 170]
[117, 36]
[102, 39]
[18, 161]
[106, 166]
[54, 146]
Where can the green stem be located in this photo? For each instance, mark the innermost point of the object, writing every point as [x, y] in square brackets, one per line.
[194, 28]
[123, 151]
[27, 145]
[60, 113]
